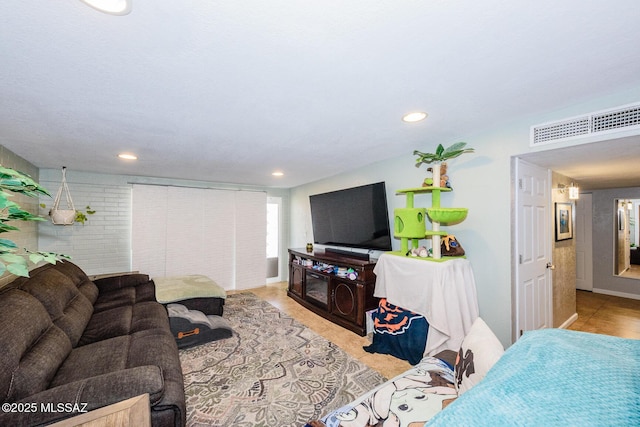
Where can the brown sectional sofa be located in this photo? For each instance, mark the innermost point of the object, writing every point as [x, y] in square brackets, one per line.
[67, 340]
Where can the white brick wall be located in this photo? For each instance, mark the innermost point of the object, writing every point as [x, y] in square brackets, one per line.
[103, 244]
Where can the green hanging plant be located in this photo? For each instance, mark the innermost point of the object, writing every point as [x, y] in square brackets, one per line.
[12, 258]
[81, 216]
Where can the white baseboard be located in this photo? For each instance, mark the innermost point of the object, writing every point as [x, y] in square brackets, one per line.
[569, 321]
[616, 294]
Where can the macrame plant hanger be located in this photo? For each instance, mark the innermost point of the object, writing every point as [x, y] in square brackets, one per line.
[63, 216]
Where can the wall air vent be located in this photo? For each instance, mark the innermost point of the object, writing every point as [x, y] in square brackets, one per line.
[606, 122]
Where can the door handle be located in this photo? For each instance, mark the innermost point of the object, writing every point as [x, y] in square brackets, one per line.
[551, 266]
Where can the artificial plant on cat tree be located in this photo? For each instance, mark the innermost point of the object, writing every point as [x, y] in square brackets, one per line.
[12, 258]
[440, 156]
[409, 222]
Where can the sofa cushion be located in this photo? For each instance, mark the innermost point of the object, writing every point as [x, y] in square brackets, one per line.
[129, 280]
[124, 321]
[93, 359]
[123, 352]
[32, 346]
[116, 298]
[123, 296]
[107, 324]
[79, 279]
[155, 346]
[152, 347]
[71, 271]
[95, 392]
[68, 307]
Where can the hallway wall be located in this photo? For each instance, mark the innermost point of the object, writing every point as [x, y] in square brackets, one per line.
[603, 244]
[564, 259]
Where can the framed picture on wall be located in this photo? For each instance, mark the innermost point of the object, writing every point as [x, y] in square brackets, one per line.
[564, 221]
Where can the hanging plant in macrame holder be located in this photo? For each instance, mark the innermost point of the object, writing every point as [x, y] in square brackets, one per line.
[60, 216]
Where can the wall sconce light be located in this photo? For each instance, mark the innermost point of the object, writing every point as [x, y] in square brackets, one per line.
[574, 192]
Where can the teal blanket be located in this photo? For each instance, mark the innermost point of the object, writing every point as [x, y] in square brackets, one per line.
[555, 377]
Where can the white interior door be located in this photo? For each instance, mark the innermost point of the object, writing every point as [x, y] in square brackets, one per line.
[584, 242]
[533, 225]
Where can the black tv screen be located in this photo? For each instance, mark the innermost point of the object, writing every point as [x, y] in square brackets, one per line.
[354, 217]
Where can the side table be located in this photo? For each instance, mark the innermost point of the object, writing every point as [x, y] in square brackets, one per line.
[443, 292]
[134, 412]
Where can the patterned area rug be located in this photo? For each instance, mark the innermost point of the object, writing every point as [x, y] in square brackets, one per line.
[274, 371]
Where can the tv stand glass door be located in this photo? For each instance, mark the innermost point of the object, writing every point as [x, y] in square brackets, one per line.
[316, 289]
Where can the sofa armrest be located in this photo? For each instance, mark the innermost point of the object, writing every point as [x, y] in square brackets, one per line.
[73, 398]
[111, 283]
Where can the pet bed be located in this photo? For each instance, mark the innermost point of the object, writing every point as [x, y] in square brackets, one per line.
[196, 292]
[192, 327]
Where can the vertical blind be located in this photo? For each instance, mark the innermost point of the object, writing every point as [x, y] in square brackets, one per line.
[217, 233]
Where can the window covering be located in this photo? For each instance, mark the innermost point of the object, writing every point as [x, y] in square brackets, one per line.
[217, 233]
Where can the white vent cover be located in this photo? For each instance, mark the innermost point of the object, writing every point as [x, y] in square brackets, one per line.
[605, 122]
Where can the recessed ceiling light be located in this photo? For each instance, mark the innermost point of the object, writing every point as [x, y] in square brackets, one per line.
[278, 173]
[113, 7]
[414, 117]
[128, 156]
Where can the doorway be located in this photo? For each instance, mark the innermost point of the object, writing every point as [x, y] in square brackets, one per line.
[584, 242]
[532, 258]
[274, 208]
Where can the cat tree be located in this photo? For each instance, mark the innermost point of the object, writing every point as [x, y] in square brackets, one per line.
[410, 222]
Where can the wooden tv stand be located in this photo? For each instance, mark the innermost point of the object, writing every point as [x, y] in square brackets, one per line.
[342, 300]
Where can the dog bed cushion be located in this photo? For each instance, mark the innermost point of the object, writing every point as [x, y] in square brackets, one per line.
[192, 327]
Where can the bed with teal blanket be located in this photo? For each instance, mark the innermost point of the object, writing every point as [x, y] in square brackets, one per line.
[555, 377]
[549, 377]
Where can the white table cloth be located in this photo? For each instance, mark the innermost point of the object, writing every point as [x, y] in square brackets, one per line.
[443, 292]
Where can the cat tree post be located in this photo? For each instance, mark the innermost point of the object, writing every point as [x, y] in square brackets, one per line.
[435, 202]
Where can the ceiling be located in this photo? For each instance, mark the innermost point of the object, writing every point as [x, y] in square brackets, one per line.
[229, 91]
[599, 165]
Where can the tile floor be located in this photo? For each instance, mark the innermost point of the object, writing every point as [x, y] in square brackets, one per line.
[607, 314]
[276, 294]
[597, 313]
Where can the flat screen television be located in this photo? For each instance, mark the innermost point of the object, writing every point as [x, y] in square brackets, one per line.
[354, 217]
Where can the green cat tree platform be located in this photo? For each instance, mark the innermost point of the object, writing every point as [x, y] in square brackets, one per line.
[410, 223]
